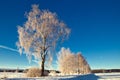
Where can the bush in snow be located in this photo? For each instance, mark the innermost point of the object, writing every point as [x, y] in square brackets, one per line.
[33, 72]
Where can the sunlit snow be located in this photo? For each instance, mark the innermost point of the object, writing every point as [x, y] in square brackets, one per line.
[98, 76]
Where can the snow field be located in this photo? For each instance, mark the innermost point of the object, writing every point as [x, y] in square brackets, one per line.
[97, 76]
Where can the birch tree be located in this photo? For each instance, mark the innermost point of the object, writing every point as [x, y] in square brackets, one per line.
[83, 67]
[66, 61]
[40, 34]
[62, 58]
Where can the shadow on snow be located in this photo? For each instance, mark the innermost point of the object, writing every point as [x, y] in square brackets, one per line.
[83, 77]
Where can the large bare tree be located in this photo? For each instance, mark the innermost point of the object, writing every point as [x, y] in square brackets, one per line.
[40, 33]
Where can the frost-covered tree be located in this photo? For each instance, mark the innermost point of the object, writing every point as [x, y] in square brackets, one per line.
[83, 67]
[40, 33]
[66, 61]
[70, 63]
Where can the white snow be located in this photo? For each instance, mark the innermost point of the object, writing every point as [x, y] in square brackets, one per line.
[11, 75]
[98, 76]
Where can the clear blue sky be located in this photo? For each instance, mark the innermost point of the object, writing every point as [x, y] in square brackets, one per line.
[95, 26]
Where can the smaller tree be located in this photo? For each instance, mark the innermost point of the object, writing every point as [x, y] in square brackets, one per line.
[65, 60]
[83, 67]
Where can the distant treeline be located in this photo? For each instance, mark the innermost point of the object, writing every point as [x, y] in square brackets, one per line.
[12, 70]
[105, 70]
[93, 71]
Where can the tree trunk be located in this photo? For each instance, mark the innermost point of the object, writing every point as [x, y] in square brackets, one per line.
[42, 66]
[43, 57]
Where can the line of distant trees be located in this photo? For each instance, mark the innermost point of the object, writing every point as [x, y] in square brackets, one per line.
[105, 70]
[93, 71]
[12, 70]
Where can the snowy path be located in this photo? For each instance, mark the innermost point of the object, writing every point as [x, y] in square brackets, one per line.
[99, 76]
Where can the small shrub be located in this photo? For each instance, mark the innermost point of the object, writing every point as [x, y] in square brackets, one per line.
[33, 72]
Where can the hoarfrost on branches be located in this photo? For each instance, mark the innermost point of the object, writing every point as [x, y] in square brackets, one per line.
[40, 33]
[72, 63]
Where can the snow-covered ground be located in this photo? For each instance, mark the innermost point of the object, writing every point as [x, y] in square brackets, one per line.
[99, 76]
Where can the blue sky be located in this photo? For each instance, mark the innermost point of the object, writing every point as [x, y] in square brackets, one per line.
[95, 26]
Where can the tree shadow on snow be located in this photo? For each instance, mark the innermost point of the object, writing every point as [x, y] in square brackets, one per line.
[83, 77]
